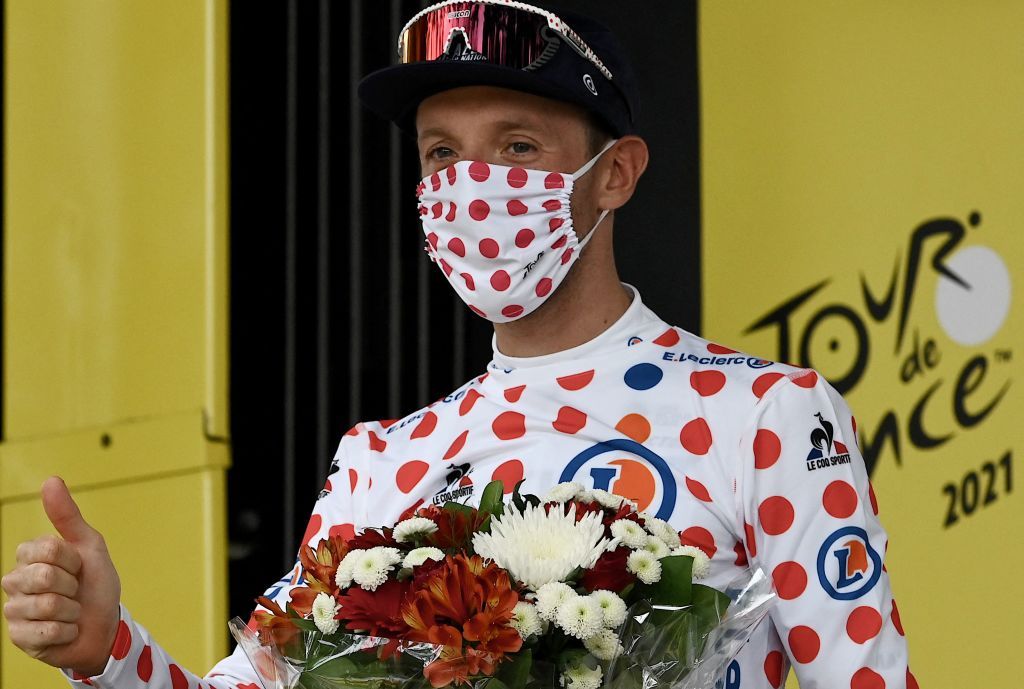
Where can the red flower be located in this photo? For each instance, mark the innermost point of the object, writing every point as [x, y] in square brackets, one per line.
[276, 626]
[455, 528]
[609, 572]
[378, 613]
[319, 568]
[371, 538]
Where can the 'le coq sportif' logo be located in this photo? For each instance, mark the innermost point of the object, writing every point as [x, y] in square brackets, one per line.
[825, 450]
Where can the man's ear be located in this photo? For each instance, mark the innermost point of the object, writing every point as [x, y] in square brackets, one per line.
[622, 167]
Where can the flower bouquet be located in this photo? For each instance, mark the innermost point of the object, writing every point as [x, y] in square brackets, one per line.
[580, 590]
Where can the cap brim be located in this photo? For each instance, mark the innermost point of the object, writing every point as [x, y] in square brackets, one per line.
[395, 92]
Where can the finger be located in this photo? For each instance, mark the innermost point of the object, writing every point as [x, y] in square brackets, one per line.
[32, 635]
[51, 550]
[42, 578]
[43, 607]
[63, 513]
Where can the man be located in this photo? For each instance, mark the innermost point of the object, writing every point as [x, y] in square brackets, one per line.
[523, 123]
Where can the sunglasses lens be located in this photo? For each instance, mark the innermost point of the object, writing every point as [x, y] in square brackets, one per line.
[477, 31]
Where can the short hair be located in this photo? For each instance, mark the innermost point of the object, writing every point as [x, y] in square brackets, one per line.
[598, 133]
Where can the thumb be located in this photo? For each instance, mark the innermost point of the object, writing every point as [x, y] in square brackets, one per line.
[63, 513]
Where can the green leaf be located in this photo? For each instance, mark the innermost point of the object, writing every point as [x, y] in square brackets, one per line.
[516, 673]
[675, 585]
[492, 500]
[709, 605]
[492, 683]
[458, 508]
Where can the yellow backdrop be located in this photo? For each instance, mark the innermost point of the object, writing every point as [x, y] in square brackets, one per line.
[115, 300]
[863, 166]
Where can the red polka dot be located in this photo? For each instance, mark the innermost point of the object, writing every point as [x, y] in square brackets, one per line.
[807, 379]
[145, 664]
[353, 480]
[567, 256]
[871, 496]
[517, 177]
[576, 381]
[512, 311]
[509, 473]
[477, 311]
[804, 644]
[776, 515]
[500, 280]
[468, 401]
[410, 474]
[790, 580]
[122, 641]
[479, 210]
[741, 555]
[634, 426]
[707, 383]
[328, 486]
[450, 217]
[346, 531]
[488, 248]
[470, 282]
[552, 205]
[839, 499]
[352, 431]
[544, 287]
[435, 181]
[178, 678]
[425, 427]
[312, 528]
[436, 210]
[866, 678]
[524, 238]
[569, 420]
[667, 339]
[764, 382]
[445, 267]
[432, 239]
[554, 181]
[699, 537]
[696, 436]
[456, 445]
[555, 223]
[911, 680]
[697, 489]
[450, 173]
[516, 207]
[773, 668]
[863, 624]
[767, 448]
[513, 394]
[456, 246]
[386, 423]
[376, 444]
[509, 425]
[560, 242]
[896, 621]
[719, 349]
[748, 531]
[479, 171]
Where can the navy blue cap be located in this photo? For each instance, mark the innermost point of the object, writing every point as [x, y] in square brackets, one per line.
[395, 92]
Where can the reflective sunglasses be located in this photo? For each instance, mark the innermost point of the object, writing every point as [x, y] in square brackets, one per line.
[502, 32]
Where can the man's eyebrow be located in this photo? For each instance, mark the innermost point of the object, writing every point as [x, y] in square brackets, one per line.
[499, 126]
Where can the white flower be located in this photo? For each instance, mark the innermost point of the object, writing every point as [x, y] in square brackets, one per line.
[581, 677]
[324, 610]
[564, 492]
[609, 500]
[701, 562]
[538, 547]
[656, 547]
[645, 566]
[371, 570]
[612, 606]
[416, 527]
[581, 617]
[346, 567]
[526, 620]
[417, 556]
[604, 645]
[550, 597]
[663, 530]
[629, 532]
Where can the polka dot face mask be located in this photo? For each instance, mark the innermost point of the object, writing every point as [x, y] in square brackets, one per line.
[503, 236]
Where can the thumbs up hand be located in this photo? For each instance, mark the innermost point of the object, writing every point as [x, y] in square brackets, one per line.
[64, 593]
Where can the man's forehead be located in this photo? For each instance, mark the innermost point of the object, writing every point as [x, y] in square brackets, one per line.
[495, 110]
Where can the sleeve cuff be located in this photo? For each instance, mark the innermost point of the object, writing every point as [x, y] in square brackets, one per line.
[110, 671]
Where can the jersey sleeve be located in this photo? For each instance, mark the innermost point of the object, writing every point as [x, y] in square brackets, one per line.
[137, 661]
[811, 522]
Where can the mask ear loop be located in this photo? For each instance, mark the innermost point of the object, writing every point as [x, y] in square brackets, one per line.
[593, 161]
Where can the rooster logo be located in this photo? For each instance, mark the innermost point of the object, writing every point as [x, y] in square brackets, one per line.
[822, 439]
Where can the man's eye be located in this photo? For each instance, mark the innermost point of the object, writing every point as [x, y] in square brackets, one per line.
[440, 153]
[521, 148]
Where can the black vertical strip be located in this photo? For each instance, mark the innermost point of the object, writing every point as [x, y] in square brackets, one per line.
[291, 275]
[323, 154]
[355, 218]
[423, 328]
[395, 340]
[458, 336]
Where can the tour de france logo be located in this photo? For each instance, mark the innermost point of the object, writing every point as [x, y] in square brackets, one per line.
[628, 469]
